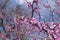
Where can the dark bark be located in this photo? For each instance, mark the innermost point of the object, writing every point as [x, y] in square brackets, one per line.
[2, 25]
[32, 10]
[39, 17]
[5, 4]
[3, 14]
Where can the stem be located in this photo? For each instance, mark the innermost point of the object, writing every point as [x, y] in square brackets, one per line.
[2, 25]
[5, 4]
[32, 9]
[52, 16]
[39, 16]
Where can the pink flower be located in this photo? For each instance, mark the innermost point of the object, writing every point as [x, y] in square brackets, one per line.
[26, 21]
[27, 32]
[22, 17]
[46, 5]
[55, 36]
[36, 10]
[29, 4]
[7, 27]
[59, 26]
[58, 32]
[41, 16]
[58, 11]
[7, 39]
[57, 39]
[36, 1]
[50, 31]
[33, 21]
[58, 2]
[15, 20]
[52, 25]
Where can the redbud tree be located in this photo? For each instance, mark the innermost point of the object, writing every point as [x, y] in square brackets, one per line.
[14, 26]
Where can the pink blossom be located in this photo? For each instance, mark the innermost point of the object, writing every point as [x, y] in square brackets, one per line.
[33, 21]
[59, 26]
[36, 1]
[7, 39]
[46, 5]
[41, 16]
[15, 20]
[52, 25]
[58, 2]
[29, 4]
[58, 11]
[7, 27]
[26, 21]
